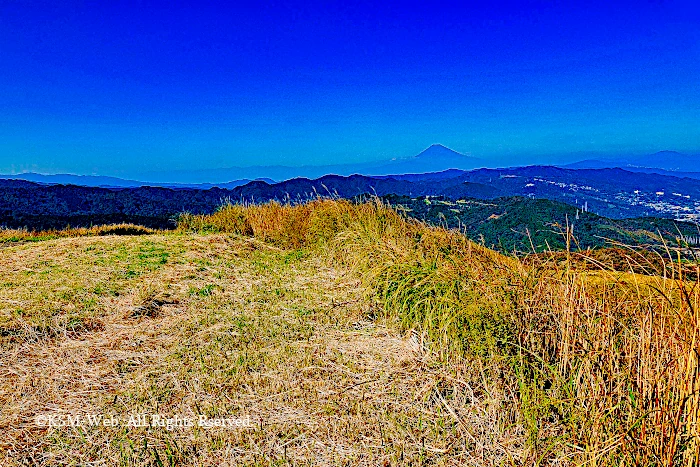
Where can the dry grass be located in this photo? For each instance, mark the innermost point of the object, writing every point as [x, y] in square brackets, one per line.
[350, 336]
[278, 335]
[8, 236]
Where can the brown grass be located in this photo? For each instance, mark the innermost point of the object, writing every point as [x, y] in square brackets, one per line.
[351, 336]
[604, 367]
[24, 235]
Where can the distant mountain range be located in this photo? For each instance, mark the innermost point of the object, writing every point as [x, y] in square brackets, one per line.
[114, 182]
[501, 207]
[613, 193]
[435, 158]
[663, 162]
[518, 208]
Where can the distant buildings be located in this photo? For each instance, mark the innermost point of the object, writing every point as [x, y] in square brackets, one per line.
[689, 239]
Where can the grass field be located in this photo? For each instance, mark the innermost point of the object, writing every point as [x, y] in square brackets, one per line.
[338, 334]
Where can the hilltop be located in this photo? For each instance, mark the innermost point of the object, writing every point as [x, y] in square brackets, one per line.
[435, 158]
[342, 334]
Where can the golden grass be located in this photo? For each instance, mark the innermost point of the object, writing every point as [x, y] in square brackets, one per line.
[604, 371]
[351, 336]
[23, 235]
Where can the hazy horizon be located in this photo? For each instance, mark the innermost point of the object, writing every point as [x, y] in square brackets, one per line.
[278, 173]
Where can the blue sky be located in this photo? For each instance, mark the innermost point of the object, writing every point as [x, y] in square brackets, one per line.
[118, 88]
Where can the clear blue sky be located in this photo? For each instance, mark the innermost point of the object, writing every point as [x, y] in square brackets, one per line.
[119, 88]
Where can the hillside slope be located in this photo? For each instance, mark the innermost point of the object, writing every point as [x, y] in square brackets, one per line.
[527, 224]
[339, 334]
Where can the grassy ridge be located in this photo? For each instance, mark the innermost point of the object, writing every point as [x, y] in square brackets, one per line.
[602, 366]
[352, 335]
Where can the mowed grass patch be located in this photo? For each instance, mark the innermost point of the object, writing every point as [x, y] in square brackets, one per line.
[281, 337]
[52, 286]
